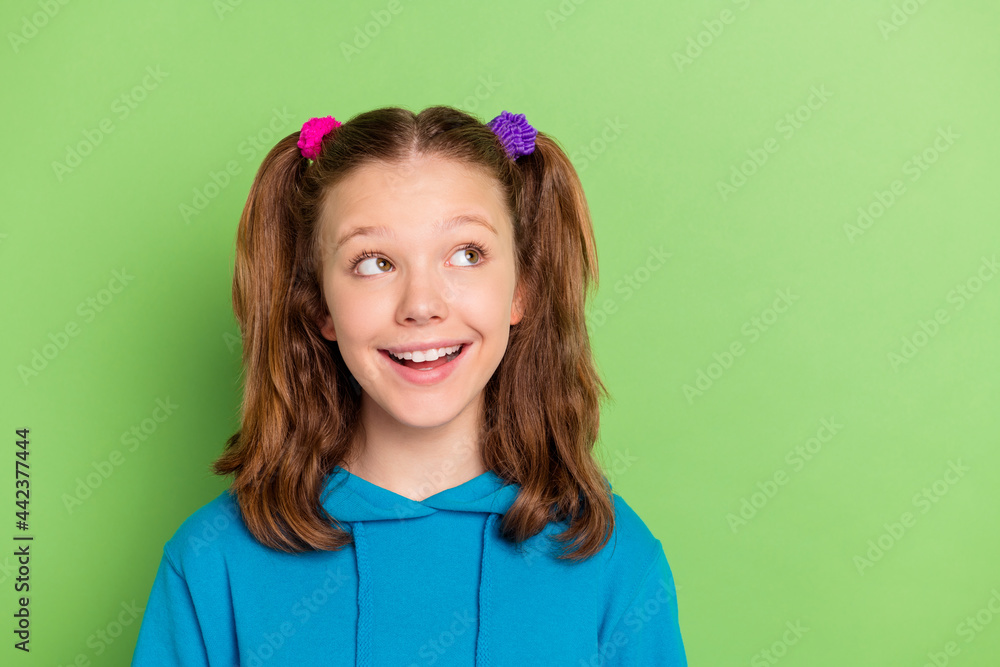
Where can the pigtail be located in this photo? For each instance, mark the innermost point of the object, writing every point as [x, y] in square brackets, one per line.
[548, 365]
[287, 441]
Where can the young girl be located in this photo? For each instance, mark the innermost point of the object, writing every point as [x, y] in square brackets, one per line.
[414, 479]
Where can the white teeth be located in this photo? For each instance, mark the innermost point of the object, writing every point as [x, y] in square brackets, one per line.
[427, 355]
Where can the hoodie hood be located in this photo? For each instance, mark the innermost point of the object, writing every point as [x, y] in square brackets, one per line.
[356, 501]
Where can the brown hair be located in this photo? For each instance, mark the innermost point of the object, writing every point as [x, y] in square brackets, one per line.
[299, 414]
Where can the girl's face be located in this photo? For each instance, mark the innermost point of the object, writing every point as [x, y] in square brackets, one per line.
[406, 267]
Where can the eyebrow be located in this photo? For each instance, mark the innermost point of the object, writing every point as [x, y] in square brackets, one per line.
[442, 225]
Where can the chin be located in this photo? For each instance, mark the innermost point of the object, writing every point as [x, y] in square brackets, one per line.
[426, 423]
[420, 413]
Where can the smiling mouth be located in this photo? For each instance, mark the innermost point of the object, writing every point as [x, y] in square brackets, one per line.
[426, 365]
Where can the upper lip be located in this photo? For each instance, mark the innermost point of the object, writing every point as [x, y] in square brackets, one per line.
[429, 345]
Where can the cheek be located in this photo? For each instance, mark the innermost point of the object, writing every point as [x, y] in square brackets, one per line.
[484, 305]
[351, 311]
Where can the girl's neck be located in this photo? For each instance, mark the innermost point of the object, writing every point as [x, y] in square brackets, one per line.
[417, 463]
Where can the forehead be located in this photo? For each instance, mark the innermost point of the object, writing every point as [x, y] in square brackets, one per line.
[420, 191]
[417, 177]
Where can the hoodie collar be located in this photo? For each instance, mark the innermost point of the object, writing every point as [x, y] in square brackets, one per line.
[348, 497]
[355, 500]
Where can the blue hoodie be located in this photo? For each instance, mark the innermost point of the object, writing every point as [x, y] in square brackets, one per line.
[427, 582]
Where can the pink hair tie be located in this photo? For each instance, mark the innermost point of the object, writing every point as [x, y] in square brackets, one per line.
[312, 133]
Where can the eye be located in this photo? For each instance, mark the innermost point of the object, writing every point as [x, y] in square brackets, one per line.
[471, 254]
[369, 257]
[471, 250]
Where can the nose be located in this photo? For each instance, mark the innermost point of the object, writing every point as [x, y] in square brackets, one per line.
[426, 295]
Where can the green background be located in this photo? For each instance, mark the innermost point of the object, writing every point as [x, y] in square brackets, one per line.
[888, 331]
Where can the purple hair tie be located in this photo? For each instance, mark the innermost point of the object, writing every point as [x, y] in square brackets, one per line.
[514, 132]
[312, 133]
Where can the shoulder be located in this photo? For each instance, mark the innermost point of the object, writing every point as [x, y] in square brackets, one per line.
[631, 543]
[631, 534]
[639, 611]
[211, 533]
[634, 561]
[632, 547]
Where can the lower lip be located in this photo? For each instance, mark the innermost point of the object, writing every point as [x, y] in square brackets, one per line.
[414, 376]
